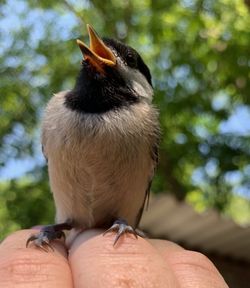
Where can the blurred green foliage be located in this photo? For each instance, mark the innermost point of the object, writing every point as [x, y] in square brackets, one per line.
[199, 55]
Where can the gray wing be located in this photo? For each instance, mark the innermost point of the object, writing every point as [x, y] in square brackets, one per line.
[43, 143]
[155, 158]
[44, 154]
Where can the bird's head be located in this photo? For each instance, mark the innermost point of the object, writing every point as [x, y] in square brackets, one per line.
[113, 75]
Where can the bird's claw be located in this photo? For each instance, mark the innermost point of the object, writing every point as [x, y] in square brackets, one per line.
[121, 227]
[44, 237]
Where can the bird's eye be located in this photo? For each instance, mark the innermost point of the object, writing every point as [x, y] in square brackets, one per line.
[131, 60]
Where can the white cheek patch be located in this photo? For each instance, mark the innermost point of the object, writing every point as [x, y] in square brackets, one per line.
[136, 81]
[141, 85]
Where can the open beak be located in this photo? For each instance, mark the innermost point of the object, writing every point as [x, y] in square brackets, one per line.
[98, 54]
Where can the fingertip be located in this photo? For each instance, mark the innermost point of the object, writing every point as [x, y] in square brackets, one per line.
[32, 267]
[18, 240]
[131, 260]
[164, 247]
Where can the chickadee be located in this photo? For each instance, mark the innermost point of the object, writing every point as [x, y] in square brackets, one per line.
[101, 142]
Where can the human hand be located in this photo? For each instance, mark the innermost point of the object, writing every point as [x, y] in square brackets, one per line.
[93, 261]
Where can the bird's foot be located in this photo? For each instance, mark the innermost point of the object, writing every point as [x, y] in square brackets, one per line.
[121, 227]
[47, 234]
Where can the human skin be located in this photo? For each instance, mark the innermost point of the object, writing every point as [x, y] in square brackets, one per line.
[93, 261]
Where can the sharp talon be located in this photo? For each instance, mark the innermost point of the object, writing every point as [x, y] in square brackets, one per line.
[120, 227]
[63, 236]
[140, 233]
[30, 239]
[45, 243]
[113, 228]
[42, 247]
[116, 238]
[47, 234]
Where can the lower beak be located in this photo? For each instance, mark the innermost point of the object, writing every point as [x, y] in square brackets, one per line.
[98, 54]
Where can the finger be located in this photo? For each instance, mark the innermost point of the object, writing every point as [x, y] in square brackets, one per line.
[163, 245]
[95, 262]
[32, 267]
[192, 269]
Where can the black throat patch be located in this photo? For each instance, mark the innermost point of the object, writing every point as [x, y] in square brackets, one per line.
[94, 93]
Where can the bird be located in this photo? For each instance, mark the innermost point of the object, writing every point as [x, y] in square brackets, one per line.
[101, 142]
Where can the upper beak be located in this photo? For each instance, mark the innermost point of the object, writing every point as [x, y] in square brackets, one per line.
[98, 53]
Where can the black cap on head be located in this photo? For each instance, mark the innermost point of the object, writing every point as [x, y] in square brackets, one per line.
[129, 56]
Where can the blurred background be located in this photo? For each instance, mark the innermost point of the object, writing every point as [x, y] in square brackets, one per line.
[199, 55]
